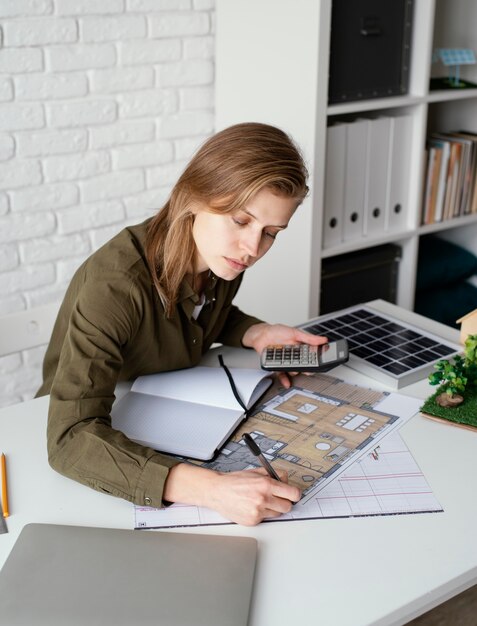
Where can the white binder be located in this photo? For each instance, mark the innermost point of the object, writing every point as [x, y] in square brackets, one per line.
[334, 185]
[399, 172]
[376, 175]
[355, 180]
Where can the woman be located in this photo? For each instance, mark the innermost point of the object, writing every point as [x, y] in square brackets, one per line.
[155, 298]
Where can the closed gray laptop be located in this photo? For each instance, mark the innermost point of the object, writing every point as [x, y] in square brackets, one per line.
[58, 575]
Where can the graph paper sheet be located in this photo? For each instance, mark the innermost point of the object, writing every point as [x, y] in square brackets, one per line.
[384, 481]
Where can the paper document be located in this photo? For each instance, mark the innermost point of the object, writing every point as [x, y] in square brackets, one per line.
[315, 431]
[385, 481]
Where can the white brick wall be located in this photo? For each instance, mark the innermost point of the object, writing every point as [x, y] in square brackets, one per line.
[102, 102]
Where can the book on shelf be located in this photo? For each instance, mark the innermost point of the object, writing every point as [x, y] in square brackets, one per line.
[436, 175]
[462, 182]
[470, 140]
[432, 177]
[450, 192]
[473, 184]
[440, 177]
[189, 412]
[453, 179]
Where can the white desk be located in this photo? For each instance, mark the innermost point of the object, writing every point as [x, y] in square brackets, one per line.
[345, 572]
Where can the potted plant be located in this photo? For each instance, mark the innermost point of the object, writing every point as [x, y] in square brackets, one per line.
[456, 397]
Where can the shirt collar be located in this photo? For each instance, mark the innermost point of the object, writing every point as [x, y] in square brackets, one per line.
[189, 299]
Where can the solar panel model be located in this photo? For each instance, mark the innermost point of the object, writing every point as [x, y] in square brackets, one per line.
[385, 348]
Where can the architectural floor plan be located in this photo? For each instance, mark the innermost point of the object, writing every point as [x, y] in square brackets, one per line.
[385, 481]
[315, 429]
[339, 444]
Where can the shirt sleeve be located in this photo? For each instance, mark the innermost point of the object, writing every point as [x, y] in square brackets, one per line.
[235, 327]
[81, 441]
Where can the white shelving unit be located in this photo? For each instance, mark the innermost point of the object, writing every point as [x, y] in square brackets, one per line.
[272, 61]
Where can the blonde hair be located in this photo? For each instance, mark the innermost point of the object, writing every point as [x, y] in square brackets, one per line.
[224, 174]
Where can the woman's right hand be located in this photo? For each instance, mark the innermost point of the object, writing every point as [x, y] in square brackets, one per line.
[249, 496]
[245, 497]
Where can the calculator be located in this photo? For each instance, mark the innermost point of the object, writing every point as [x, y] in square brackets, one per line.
[305, 358]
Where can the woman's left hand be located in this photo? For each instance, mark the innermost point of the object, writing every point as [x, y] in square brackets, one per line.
[259, 336]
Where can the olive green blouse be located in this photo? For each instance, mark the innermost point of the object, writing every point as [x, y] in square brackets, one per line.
[112, 327]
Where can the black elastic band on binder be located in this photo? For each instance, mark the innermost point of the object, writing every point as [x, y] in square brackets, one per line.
[232, 385]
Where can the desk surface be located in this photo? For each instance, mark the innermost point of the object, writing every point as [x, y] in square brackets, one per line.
[347, 572]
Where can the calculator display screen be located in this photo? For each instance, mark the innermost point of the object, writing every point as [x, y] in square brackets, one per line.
[329, 352]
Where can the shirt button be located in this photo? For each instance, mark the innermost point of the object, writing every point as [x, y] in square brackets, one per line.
[194, 341]
[147, 501]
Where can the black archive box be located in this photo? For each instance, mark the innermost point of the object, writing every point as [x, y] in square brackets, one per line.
[369, 49]
[357, 277]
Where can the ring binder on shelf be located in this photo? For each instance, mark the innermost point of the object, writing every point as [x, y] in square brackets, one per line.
[377, 165]
[355, 179]
[399, 172]
[334, 185]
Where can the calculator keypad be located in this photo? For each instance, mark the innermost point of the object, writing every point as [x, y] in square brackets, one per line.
[289, 355]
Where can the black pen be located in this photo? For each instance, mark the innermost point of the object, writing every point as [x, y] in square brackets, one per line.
[255, 450]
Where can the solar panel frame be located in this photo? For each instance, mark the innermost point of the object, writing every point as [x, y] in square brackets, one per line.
[386, 348]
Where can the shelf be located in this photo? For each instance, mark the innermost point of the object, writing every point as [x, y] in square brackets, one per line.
[427, 229]
[301, 107]
[358, 106]
[363, 243]
[448, 95]
[456, 222]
